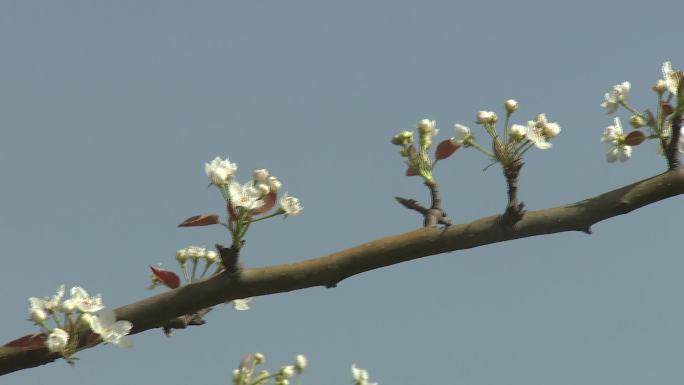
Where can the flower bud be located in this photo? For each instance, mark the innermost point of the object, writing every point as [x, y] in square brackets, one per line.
[287, 371]
[637, 121]
[551, 130]
[260, 174]
[660, 86]
[263, 189]
[68, 306]
[300, 363]
[259, 358]
[38, 315]
[486, 117]
[210, 256]
[273, 183]
[517, 132]
[511, 105]
[182, 256]
[426, 126]
[462, 133]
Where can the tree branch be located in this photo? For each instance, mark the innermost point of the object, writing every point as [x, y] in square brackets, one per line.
[153, 312]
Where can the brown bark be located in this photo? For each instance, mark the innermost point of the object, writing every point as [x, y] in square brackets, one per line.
[327, 271]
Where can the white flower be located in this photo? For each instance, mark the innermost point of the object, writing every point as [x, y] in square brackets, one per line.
[511, 105]
[182, 256]
[273, 183]
[83, 302]
[614, 136]
[287, 371]
[210, 256]
[300, 363]
[484, 117]
[57, 340]
[290, 205]
[219, 170]
[618, 94]
[361, 376]
[427, 126]
[462, 133]
[260, 174]
[671, 77]
[38, 315]
[517, 132]
[196, 252]
[48, 304]
[241, 304]
[110, 330]
[247, 195]
[536, 135]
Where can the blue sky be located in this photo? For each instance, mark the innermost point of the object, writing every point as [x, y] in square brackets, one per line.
[110, 109]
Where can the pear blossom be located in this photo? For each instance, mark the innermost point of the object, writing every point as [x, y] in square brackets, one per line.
[290, 205]
[247, 195]
[300, 363]
[83, 302]
[196, 252]
[110, 330]
[182, 256]
[671, 77]
[287, 371]
[618, 94]
[462, 133]
[57, 340]
[517, 132]
[427, 126]
[614, 136]
[219, 170]
[263, 189]
[260, 174]
[485, 117]
[361, 376]
[241, 304]
[38, 315]
[511, 105]
[273, 183]
[535, 134]
[48, 304]
[210, 256]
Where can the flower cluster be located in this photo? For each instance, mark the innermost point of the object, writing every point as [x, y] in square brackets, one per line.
[245, 373]
[646, 125]
[516, 138]
[70, 314]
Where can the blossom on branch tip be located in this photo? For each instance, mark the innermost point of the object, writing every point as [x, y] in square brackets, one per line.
[614, 136]
[48, 304]
[517, 132]
[260, 174]
[247, 195]
[486, 117]
[535, 134]
[618, 94]
[83, 302]
[511, 105]
[219, 170]
[38, 315]
[57, 340]
[462, 134]
[273, 183]
[110, 330]
[290, 205]
[300, 363]
[427, 126]
[671, 77]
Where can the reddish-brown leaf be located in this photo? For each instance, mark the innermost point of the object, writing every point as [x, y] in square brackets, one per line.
[635, 138]
[269, 202]
[28, 342]
[232, 212]
[167, 277]
[667, 108]
[412, 152]
[201, 220]
[445, 149]
[410, 171]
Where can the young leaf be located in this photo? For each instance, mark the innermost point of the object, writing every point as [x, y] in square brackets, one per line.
[167, 277]
[445, 149]
[635, 138]
[200, 220]
[269, 202]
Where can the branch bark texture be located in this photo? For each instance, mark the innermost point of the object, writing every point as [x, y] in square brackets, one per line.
[154, 312]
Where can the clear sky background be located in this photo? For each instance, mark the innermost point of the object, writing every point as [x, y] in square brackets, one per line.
[108, 111]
